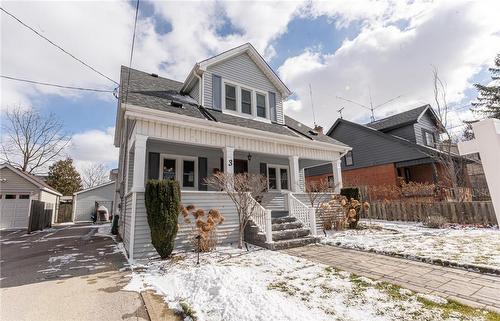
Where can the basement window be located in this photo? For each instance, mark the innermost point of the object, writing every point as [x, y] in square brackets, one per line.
[24, 197]
[10, 196]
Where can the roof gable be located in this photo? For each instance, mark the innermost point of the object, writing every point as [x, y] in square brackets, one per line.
[32, 179]
[399, 120]
[247, 48]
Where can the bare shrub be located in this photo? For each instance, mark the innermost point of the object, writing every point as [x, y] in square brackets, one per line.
[205, 228]
[243, 189]
[435, 221]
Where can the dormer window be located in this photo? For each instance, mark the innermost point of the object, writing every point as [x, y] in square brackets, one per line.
[230, 97]
[261, 105]
[246, 101]
[429, 138]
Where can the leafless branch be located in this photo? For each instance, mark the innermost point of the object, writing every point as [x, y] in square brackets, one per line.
[244, 190]
[94, 174]
[31, 140]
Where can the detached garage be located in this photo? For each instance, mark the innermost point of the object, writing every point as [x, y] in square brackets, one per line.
[17, 189]
[85, 201]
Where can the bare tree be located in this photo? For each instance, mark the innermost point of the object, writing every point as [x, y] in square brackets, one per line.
[318, 192]
[30, 140]
[453, 166]
[244, 190]
[94, 174]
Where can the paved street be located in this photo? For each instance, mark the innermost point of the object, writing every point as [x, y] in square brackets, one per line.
[65, 273]
[470, 288]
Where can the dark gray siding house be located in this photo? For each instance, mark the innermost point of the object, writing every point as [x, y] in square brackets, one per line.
[403, 145]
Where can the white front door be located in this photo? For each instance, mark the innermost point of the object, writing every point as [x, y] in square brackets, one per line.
[277, 178]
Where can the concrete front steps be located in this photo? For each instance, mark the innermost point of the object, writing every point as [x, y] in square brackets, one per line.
[288, 233]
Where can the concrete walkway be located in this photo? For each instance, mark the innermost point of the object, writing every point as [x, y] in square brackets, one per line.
[66, 273]
[470, 288]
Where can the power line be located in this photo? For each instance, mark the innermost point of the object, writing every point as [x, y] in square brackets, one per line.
[132, 50]
[57, 46]
[56, 85]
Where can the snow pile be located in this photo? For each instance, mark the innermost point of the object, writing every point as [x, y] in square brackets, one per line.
[469, 247]
[262, 285]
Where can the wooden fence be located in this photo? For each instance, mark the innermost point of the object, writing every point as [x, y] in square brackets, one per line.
[40, 216]
[454, 212]
[65, 213]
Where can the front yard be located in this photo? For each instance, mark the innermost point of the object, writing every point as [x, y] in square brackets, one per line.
[468, 247]
[232, 284]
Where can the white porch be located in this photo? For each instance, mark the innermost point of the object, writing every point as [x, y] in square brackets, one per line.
[169, 150]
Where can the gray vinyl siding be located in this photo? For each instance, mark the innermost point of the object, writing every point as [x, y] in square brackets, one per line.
[213, 155]
[125, 221]
[243, 70]
[370, 148]
[426, 123]
[16, 183]
[130, 174]
[406, 132]
[319, 170]
[227, 232]
[195, 92]
[84, 202]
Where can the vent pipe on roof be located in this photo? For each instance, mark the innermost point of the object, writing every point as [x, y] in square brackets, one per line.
[154, 75]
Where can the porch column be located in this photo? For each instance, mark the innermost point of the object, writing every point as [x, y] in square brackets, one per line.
[228, 160]
[337, 175]
[294, 173]
[139, 163]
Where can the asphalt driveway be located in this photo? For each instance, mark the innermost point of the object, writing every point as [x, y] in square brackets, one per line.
[67, 273]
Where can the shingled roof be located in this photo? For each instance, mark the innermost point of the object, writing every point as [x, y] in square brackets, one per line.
[398, 120]
[151, 91]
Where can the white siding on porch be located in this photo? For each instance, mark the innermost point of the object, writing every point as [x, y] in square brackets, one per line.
[227, 232]
[243, 70]
[209, 137]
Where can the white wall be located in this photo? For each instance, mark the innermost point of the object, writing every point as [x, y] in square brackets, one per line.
[487, 144]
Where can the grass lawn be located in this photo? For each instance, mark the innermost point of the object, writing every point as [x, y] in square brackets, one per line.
[232, 284]
[478, 247]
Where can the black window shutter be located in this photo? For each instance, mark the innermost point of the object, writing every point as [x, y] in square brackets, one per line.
[154, 166]
[272, 106]
[216, 92]
[202, 173]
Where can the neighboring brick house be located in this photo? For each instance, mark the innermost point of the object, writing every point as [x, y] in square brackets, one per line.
[402, 145]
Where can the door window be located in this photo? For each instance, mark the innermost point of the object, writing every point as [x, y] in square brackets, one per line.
[188, 173]
[169, 169]
[272, 178]
[284, 178]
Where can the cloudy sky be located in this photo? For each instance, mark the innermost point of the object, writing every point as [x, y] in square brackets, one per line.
[348, 49]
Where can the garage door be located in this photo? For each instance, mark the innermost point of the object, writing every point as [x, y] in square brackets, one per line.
[14, 211]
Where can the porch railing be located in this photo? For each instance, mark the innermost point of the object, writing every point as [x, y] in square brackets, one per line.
[302, 212]
[262, 218]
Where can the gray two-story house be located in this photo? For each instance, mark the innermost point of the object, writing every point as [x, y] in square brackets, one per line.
[403, 145]
[226, 116]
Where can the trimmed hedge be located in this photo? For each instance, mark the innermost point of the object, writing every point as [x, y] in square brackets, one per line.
[350, 192]
[163, 199]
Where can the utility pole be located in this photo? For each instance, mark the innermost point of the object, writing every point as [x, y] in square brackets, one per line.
[312, 104]
[340, 112]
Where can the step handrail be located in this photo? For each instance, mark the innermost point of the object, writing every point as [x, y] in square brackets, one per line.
[262, 218]
[302, 212]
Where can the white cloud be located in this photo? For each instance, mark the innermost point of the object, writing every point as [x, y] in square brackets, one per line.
[93, 146]
[459, 38]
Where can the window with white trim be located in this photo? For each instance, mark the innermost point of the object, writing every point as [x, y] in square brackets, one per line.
[230, 97]
[261, 105]
[246, 101]
[183, 169]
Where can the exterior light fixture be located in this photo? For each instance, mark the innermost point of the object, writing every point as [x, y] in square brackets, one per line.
[249, 157]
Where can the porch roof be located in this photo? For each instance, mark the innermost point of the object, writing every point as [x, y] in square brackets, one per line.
[153, 92]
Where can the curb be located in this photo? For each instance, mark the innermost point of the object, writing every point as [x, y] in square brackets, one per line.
[157, 309]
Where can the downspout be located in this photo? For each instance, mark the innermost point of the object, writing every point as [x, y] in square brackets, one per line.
[200, 82]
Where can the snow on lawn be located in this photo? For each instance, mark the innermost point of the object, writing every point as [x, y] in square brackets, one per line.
[478, 247]
[231, 284]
